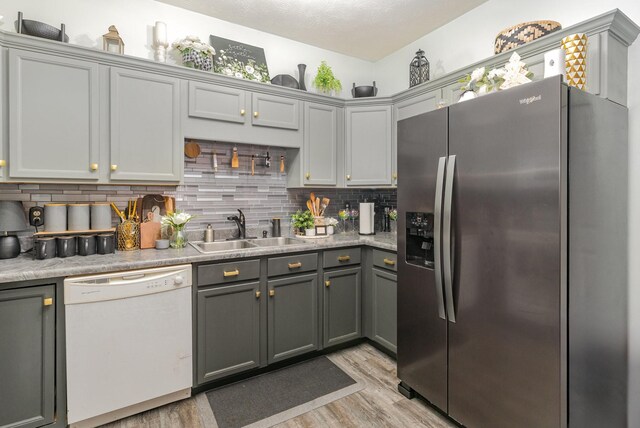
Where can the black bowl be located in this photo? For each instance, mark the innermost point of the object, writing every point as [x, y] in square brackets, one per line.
[40, 29]
[364, 91]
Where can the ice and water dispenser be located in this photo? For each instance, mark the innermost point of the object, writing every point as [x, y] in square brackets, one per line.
[419, 239]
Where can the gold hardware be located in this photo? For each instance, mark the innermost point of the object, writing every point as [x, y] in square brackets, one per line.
[344, 258]
[255, 114]
[272, 293]
[307, 176]
[3, 163]
[389, 262]
[348, 177]
[232, 273]
[258, 294]
[48, 301]
[295, 265]
[114, 167]
[395, 175]
[242, 112]
[94, 167]
[327, 283]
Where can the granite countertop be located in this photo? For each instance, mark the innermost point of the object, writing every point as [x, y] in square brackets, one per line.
[24, 267]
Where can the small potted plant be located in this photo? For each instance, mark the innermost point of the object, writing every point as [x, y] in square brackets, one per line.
[325, 81]
[393, 216]
[303, 223]
[177, 221]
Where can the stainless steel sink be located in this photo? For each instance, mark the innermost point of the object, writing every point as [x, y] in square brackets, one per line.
[276, 242]
[211, 247]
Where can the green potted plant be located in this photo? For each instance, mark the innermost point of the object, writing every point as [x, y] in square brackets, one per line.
[325, 81]
[302, 222]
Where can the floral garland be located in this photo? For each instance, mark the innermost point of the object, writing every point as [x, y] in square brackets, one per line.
[482, 81]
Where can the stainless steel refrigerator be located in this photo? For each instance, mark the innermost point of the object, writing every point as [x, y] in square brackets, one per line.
[512, 250]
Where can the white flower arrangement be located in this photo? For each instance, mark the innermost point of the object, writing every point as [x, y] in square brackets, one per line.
[194, 43]
[177, 220]
[195, 54]
[513, 73]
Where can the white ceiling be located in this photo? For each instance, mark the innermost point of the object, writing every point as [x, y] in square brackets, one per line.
[366, 29]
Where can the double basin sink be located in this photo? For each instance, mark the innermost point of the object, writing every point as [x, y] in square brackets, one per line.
[241, 244]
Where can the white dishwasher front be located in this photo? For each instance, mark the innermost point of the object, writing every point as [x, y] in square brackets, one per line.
[128, 342]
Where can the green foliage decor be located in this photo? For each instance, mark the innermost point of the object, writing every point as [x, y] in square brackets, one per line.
[325, 81]
[302, 220]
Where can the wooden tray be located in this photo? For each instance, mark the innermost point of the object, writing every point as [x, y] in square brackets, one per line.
[75, 232]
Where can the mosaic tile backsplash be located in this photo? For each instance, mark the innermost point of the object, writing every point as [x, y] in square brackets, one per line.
[211, 195]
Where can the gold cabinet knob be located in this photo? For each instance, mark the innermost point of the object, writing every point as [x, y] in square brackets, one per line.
[93, 167]
[114, 167]
[258, 294]
[242, 112]
[327, 283]
[48, 301]
[272, 293]
[3, 163]
[255, 114]
[349, 177]
[307, 175]
[395, 176]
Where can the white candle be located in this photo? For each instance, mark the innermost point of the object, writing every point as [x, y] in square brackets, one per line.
[160, 34]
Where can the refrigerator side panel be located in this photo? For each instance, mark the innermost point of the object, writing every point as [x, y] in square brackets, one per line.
[598, 261]
[505, 346]
[422, 333]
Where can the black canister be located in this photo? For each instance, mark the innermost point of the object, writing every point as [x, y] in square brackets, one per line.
[66, 246]
[45, 248]
[106, 243]
[87, 245]
[275, 228]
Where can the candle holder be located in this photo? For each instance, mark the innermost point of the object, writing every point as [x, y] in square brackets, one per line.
[128, 235]
[160, 41]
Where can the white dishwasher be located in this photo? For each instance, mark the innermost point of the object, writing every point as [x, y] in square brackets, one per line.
[128, 342]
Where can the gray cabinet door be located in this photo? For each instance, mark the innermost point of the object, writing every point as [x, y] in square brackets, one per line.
[4, 131]
[146, 135]
[228, 330]
[53, 120]
[385, 309]
[368, 146]
[215, 102]
[293, 316]
[275, 112]
[27, 353]
[342, 306]
[320, 145]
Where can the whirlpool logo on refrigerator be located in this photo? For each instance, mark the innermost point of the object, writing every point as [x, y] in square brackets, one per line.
[531, 99]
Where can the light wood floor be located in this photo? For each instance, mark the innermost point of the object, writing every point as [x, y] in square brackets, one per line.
[379, 404]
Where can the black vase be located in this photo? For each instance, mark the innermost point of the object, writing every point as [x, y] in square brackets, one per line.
[301, 70]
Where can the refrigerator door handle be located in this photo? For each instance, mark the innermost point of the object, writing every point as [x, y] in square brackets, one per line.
[446, 239]
[437, 233]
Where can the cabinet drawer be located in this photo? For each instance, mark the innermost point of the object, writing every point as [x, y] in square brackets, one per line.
[292, 264]
[342, 257]
[228, 272]
[385, 260]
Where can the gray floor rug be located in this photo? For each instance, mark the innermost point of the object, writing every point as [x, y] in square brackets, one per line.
[277, 396]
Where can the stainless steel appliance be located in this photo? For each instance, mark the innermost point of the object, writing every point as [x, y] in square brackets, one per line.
[512, 250]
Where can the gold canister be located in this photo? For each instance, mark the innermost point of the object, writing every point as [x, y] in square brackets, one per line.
[575, 47]
[128, 235]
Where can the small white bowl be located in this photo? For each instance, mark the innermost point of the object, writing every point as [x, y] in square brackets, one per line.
[162, 244]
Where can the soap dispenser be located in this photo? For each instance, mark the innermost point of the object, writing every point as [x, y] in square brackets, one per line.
[209, 234]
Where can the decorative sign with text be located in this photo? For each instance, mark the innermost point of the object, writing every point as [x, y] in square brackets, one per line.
[239, 60]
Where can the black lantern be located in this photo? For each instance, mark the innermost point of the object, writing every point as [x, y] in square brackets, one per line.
[418, 69]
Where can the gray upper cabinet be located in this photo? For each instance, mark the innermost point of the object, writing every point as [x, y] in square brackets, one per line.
[217, 102]
[228, 330]
[146, 135]
[342, 306]
[385, 309]
[275, 112]
[27, 352]
[53, 117]
[320, 148]
[368, 146]
[292, 316]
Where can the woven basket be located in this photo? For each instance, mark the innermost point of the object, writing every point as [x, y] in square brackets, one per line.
[520, 34]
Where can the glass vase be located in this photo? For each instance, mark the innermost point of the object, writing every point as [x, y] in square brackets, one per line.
[178, 238]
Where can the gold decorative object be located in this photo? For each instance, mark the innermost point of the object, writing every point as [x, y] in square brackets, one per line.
[112, 42]
[519, 34]
[128, 235]
[575, 47]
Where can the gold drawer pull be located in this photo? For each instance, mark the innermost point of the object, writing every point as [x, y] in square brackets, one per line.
[48, 301]
[232, 273]
[258, 294]
[295, 265]
[344, 258]
[389, 262]
[272, 293]
[327, 283]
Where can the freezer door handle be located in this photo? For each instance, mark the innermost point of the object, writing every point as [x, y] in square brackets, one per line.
[437, 233]
[446, 239]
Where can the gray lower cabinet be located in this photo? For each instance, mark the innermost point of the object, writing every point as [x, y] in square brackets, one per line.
[4, 131]
[384, 312]
[53, 117]
[342, 306]
[228, 330]
[27, 356]
[320, 147]
[292, 316]
[146, 134]
[368, 151]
